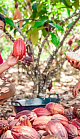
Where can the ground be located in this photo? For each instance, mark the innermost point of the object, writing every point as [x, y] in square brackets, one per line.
[24, 86]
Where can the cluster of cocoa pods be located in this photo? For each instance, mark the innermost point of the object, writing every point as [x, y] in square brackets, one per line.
[51, 122]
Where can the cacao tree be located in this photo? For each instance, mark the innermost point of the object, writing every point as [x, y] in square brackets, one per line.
[47, 27]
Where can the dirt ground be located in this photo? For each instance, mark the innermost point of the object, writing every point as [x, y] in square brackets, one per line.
[24, 86]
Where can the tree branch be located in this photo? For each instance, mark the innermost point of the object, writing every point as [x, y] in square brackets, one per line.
[40, 48]
[7, 33]
[61, 43]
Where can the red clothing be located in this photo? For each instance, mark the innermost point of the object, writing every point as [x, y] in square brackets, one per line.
[1, 60]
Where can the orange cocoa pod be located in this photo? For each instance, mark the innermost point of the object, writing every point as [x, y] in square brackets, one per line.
[60, 118]
[41, 112]
[21, 121]
[25, 132]
[55, 108]
[40, 122]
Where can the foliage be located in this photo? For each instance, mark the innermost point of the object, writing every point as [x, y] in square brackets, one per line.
[47, 26]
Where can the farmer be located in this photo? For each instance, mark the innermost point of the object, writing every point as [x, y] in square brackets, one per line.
[76, 88]
[7, 89]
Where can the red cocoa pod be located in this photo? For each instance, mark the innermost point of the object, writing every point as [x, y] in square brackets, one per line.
[7, 135]
[19, 48]
[71, 130]
[68, 113]
[3, 126]
[25, 132]
[76, 123]
[24, 112]
[50, 86]
[70, 41]
[56, 128]
[60, 118]
[54, 108]
[40, 122]
[47, 27]
[41, 112]
[51, 137]
[30, 114]
[21, 121]
[16, 5]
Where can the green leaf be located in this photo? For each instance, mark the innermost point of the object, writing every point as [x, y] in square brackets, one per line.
[70, 24]
[67, 4]
[39, 23]
[68, 12]
[55, 39]
[76, 4]
[39, 7]
[9, 21]
[59, 27]
[34, 36]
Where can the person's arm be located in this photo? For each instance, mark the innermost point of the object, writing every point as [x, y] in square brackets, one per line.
[4, 67]
[76, 89]
[11, 61]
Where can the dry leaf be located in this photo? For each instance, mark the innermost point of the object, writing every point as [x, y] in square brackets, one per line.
[18, 15]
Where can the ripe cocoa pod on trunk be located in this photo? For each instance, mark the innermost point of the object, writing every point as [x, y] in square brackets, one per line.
[51, 137]
[40, 122]
[56, 128]
[24, 132]
[60, 118]
[71, 130]
[55, 108]
[41, 112]
[19, 48]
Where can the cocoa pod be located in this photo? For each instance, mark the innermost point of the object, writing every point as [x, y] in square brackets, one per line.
[21, 121]
[30, 114]
[7, 135]
[50, 86]
[56, 128]
[40, 122]
[28, 60]
[41, 112]
[19, 48]
[25, 132]
[60, 118]
[47, 27]
[16, 5]
[70, 41]
[68, 113]
[54, 108]
[3, 126]
[71, 130]
[78, 137]
[76, 123]
[51, 137]
[76, 110]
